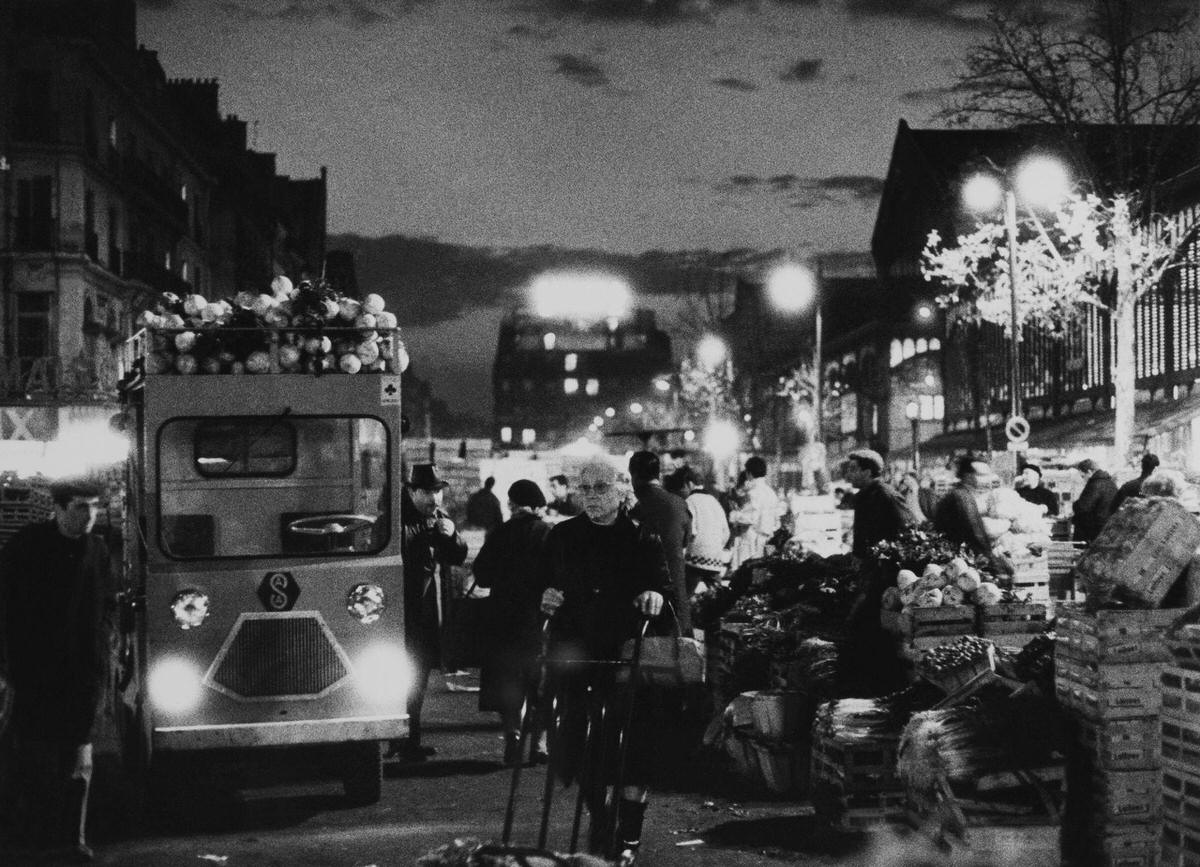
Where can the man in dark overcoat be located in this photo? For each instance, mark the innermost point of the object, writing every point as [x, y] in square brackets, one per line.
[431, 545]
[56, 595]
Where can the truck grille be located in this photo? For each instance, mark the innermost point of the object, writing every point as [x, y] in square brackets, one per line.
[272, 656]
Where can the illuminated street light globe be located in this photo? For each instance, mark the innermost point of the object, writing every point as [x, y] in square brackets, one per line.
[791, 287]
[983, 192]
[662, 384]
[610, 412]
[711, 350]
[1042, 182]
[924, 312]
[721, 439]
[636, 408]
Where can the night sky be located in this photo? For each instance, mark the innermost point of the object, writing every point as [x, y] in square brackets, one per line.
[614, 125]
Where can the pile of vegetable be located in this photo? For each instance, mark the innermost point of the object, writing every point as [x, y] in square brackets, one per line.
[319, 330]
[968, 653]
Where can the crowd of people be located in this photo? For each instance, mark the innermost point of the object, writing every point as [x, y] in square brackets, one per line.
[620, 548]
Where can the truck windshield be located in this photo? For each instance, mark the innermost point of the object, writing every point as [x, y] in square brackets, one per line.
[262, 486]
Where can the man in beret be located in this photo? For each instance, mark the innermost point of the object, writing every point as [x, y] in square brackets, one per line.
[1032, 490]
[879, 510]
[430, 546]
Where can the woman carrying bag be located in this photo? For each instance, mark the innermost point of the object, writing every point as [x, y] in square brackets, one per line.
[603, 576]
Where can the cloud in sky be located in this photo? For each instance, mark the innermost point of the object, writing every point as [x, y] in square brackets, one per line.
[730, 82]
[808, 192]
[581, 70]
[806, 69]
[357, 13]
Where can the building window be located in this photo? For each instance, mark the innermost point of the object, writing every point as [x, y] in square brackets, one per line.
[570, 362]
[896, 354]
[506, 435]
[183, 192]
[183, 270]
[33, 325]
[593, 387]
[33, 110]
[528, 436]
[548, 340]
[167, 260]
[939, 407]
[35, 216]
[934, 344]
[113, 132]
[91, 241]
[570, 385]
[922, 345]
[910, 348]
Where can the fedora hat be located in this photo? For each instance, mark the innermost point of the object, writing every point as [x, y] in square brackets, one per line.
[425, 478]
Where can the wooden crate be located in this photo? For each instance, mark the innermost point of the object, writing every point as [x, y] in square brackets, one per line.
[856, 766]
[1184, 644]
[1180, 693]
[1181, 796]
[1181, 743]
[1104, 691]
[1114, 636]
[1180, 845]
[1001, 622]
[1127, 797]
[945, 620]
[1141, 551]
[1127, 846]
[1121, 744]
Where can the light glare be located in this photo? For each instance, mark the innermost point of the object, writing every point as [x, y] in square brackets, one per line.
[791, 287]
[175, 685]
[383, 674]
[721, 439]
[579, 296]
[711, 351]
[983, 193]
[1042, 182]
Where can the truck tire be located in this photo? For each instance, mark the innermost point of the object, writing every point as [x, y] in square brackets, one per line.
[362, 775]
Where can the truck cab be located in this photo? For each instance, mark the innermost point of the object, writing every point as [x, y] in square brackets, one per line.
[261, 605]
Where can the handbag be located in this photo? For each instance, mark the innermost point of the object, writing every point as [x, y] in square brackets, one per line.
[667, 660]
[467, 632]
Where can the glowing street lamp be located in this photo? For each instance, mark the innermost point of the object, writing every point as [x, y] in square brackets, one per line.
[1041, 182]
[792, 287]
[711, 351]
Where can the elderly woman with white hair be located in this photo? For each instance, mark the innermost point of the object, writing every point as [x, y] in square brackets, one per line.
[603, 574]
[1165, 483]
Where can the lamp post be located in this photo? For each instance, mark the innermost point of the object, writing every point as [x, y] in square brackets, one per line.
[792, 287]
[1041, 181]
[913, 411]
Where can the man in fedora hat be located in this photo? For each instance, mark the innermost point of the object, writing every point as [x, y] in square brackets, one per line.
[430, 546]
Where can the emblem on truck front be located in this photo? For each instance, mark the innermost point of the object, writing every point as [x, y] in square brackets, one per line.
[278, 591]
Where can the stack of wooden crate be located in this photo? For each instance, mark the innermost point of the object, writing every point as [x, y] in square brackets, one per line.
[854, 778]
[1031, 577]
[1014, 624]
[1107, 673]
[1180, 729]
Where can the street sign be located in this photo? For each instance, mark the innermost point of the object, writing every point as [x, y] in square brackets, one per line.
[1017, 429]
[1018, 446]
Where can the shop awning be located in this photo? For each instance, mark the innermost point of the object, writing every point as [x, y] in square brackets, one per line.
[1087, 429]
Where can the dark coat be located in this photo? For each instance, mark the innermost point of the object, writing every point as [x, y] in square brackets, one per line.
[1130, 490]
[507, 564]
[55, 628]
[483, 510]
[600, 571]
[879, 513]
[957, 517]
[1041, 496]
[427, 555]
[1094, 506]
[667, 516]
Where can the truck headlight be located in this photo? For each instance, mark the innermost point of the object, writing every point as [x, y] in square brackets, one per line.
[190, 608]
[366, 602]
[175, 685]
[383, 674]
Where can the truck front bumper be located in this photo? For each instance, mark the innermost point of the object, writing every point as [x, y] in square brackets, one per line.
[278, 734]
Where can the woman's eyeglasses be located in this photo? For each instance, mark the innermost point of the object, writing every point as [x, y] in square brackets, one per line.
[598, 488]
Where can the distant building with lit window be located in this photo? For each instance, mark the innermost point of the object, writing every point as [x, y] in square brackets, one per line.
[117, 184]
[553, 378]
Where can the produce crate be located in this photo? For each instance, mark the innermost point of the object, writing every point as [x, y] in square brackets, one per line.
[1184, 644]
[1013, 624]
[1121, 744]
[1114, 636]
[1127, 846]
[1106, 692]
[1181, 797]
[1031, 578]
[945, 620]
[857, 767]
[1181, 742]
[1180, 845]
[1180, 693]
[1127, 797]
[856, 809]
[1140, 553]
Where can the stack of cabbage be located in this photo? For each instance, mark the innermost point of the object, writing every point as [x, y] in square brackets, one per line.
[319, 330]
[955, 583]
